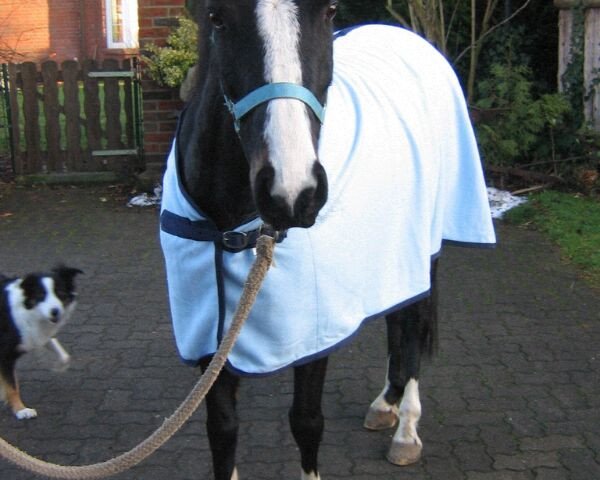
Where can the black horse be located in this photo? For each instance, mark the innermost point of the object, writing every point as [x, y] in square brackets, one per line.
[243, 154]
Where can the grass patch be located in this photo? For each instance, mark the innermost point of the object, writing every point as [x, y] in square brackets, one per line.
[571, 221]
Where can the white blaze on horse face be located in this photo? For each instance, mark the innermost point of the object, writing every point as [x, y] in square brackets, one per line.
[287, 126]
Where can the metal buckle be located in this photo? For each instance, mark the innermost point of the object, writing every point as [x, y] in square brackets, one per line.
[266, 229]
[235, 240]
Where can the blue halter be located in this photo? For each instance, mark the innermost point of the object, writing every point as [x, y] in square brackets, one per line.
[269, 92]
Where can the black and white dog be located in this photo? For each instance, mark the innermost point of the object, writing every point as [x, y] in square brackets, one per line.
[32, 311]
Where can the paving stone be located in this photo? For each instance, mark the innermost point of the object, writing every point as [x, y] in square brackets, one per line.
[551, 442]
[581, 463]
[526, 461]
[551, 474]
[499, 439]
[513, 394]
[502, 475]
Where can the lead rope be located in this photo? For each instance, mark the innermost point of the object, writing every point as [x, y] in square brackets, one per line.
[264, 258]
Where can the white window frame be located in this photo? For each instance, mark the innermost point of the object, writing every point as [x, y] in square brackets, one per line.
[130, 25]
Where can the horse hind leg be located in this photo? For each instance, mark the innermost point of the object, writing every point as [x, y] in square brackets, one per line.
[306, 417]
[411, 332]
[399, 402]
[222, 424]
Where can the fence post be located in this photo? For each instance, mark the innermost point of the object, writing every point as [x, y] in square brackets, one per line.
[51, 113]
[15, 115]
[128, 104]
[591, 68]
[70, 70]
[112, 106]
[91, 107]
[7, 104]
[591, 65]
[137, 112]
[31, 112]
[565, 26]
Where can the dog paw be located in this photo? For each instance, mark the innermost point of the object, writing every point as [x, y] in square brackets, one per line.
[62, 365]
[26, 413]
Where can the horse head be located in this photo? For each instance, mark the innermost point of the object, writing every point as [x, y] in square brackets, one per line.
[274, 59]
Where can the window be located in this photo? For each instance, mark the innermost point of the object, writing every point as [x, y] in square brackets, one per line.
[122, 23]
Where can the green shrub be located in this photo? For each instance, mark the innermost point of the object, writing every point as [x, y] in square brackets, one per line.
[168, 65]
[518, 124]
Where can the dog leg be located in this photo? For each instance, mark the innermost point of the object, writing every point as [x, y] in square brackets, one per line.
[63, 357]
[13, 397]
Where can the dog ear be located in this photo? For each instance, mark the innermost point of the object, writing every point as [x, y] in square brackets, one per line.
[66, 273]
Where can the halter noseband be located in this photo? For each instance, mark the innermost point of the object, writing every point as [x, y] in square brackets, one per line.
[269, 92]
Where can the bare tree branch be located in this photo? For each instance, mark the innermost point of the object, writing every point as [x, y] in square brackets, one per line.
[390, 8]
[485, 34]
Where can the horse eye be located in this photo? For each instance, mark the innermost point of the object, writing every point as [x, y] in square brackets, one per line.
[216, 21]
[331, 11]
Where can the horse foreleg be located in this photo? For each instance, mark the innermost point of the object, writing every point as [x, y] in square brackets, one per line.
[306, 417]
[222, 424]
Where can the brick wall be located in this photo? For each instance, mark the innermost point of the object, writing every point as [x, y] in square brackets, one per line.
[24, 28]
[161, 105]
[57, 30]
[64, 29]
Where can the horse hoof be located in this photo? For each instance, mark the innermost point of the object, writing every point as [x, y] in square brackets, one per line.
[404, 453]
[380, 419]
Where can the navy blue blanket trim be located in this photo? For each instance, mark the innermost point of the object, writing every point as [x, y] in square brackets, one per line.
[455, 243]
[220, 290]
[323, 353]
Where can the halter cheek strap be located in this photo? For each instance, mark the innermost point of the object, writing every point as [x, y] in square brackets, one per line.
[269, 92]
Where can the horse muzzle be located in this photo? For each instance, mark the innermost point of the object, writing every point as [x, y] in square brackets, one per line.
[283, 213]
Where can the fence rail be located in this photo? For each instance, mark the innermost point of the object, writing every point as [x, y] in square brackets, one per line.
[74, 117]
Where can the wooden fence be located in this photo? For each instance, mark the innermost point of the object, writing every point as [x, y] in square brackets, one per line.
[74, 117]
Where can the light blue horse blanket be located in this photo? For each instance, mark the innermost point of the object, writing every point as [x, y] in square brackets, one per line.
[404, 176]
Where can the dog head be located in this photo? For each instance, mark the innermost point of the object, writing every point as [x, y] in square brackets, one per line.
[50, 296]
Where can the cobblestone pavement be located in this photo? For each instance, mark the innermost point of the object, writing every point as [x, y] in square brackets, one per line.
[513, 394]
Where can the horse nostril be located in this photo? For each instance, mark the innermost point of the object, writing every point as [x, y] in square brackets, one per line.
[312, 199]
[322, 184]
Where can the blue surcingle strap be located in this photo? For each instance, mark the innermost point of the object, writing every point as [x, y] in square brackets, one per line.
[205, 231]
[272, 91]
